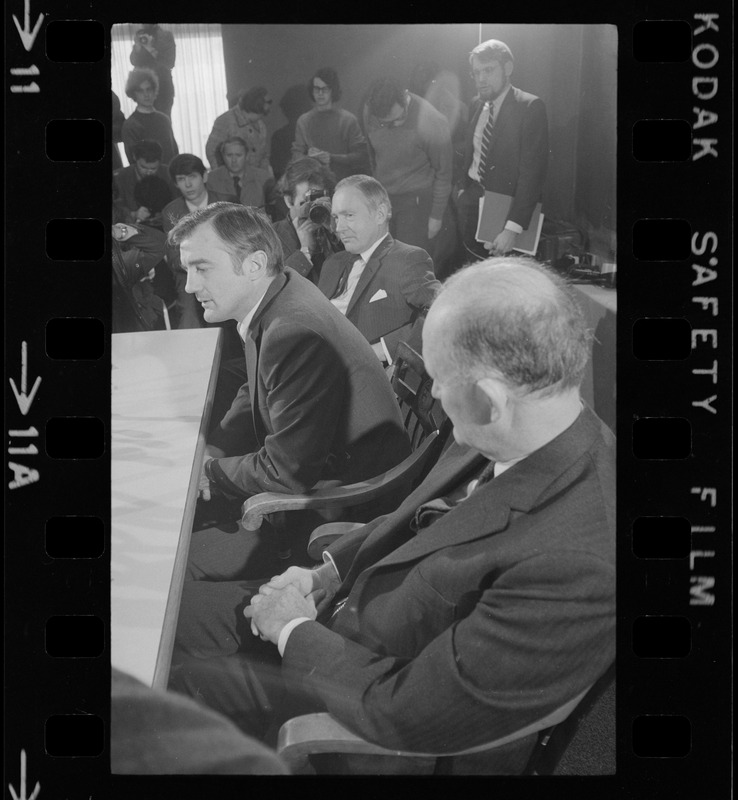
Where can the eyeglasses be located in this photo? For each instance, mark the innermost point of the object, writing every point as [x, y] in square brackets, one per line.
[322, 89]
[392, 123]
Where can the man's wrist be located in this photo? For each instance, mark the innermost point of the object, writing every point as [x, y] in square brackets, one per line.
[284, 634]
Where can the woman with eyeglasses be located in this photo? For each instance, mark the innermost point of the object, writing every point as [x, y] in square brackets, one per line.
[245, 120]
[330, 133]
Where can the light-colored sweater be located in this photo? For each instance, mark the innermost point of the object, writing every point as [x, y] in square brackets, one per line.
[336, 131]
[414, 156]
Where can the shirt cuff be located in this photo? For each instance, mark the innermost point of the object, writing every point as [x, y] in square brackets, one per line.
[284, 634]
[306, 252]
[513, 226]
[387, 355]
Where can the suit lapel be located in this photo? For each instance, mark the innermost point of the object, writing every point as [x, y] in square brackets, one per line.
[331, 272]
[375, 262]
[252, 345]
[442, 479]
[293, 236]
[487, 510]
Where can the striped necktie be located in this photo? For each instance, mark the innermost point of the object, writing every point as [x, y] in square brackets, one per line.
[486, 139]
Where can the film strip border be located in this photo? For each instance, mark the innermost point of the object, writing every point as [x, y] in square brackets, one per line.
[674, 376]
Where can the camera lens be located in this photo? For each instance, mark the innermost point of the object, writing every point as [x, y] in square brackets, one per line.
[320, 211]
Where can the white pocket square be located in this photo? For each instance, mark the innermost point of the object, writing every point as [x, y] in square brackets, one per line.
[380, 294]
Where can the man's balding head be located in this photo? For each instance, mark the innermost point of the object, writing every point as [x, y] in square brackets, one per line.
[513, 318]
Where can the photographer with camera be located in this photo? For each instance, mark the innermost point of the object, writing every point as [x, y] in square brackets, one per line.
[154, 48]
[307, 235]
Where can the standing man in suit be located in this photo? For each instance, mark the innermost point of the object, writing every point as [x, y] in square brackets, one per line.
[316, 406]
[382, 285]
[487, 599]
[506, 149]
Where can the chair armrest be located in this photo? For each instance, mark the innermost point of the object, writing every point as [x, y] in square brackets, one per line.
[342, 496]
[311, 734]
[316, 733]
[323, 535]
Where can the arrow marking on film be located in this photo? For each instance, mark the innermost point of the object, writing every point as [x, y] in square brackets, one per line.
[22, 795]
[24, 400]
[28, 36]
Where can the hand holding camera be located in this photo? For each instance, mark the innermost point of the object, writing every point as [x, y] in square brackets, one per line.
[316, 207]
[145, 40]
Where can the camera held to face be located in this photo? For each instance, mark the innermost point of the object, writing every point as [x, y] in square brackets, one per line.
[316, 207]
[143, 38]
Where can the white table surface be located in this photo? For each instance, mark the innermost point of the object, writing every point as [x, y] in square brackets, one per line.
[162, 387]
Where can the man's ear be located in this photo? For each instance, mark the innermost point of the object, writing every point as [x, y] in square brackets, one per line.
[493, 394]
[508, 68]
[255, 264]
[382, 213]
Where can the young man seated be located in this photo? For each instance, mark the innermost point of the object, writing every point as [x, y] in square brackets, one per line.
[238, 180]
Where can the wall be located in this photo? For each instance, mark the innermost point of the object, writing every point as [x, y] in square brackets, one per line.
[571, 67]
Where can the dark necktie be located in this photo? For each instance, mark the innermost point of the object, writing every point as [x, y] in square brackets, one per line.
[343, 280]
[486, 139]
[237, 187]
[429, 512]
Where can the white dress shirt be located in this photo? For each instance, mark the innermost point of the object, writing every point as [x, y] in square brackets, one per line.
[342, 301]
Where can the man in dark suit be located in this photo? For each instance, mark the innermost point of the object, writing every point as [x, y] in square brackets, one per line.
[506, 149]
[316, 406]
[380, 284]
[487, 599]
